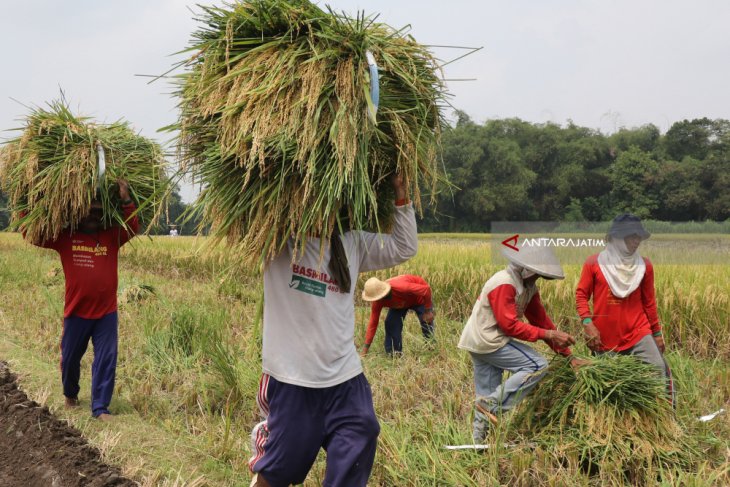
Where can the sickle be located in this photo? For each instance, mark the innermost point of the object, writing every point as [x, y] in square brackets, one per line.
[102, 165]
[374, 85]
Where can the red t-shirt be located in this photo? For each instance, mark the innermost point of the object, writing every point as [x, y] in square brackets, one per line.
[407, 291]
[621, 322]
[504, 307]
[90, 266]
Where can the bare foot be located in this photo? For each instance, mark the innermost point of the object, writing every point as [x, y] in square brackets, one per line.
[71, 402]
[106, 417]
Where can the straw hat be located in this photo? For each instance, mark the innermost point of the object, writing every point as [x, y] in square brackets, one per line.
[538, 259]
[375, 289]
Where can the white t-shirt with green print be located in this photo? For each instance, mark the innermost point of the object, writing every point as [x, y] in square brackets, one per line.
[309, 325]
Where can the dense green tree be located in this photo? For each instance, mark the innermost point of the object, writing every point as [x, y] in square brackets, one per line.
[693, 138]
[489, 175]
[715, 177]
[646, 138]
[684, 195]
[574, 211]
[635, 186]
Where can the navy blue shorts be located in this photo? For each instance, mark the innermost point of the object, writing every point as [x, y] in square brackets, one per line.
[301, 420]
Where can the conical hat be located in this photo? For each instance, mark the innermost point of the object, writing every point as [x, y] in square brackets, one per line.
[538, 259]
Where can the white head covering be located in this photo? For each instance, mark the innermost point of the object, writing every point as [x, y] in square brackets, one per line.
[529, 261]
[622, 269]
[538, 260]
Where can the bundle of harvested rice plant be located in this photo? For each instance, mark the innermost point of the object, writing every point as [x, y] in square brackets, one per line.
[282, 125]
[51, 172]
[611, 418]
[134, 293]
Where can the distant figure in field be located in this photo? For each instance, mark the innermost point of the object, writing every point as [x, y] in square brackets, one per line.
[400, 294]
[624, 319]
[497, 320]
[173, 232]
[313, 392]
[89, 259]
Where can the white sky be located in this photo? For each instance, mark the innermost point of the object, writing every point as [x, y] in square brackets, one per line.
[603, 64]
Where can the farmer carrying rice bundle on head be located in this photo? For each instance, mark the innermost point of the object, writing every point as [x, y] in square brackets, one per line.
[313, 389]
[507, 298]
[304, 126]
[89, 257]
[72, 185]
[624, 319]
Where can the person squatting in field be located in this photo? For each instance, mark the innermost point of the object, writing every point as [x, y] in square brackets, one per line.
[89, 257]
[496, 321]
[624, 319]
[400, 294]
[313, 392]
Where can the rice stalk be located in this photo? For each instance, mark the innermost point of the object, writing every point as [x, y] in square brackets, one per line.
[274, 122]
[50, 172]
[613, 416]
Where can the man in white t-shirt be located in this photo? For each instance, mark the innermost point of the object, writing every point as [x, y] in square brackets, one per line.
[313, 392]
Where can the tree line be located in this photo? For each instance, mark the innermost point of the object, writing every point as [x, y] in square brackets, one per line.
[512, 170]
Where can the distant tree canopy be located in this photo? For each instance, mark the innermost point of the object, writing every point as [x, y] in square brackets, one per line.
[513, 170]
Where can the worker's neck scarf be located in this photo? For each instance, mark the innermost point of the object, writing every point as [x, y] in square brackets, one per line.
[622, 269]
[519, 274]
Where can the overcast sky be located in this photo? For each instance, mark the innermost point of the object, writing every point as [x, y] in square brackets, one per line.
[603, 64]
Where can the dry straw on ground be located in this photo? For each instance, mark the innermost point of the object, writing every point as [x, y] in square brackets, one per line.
[277, 122]
[50, 172]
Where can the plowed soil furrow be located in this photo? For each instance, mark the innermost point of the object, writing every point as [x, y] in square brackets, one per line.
[37, 449]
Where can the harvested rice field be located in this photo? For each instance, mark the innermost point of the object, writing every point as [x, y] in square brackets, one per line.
[190, 362]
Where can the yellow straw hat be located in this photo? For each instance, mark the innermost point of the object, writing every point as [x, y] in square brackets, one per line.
[375, 289]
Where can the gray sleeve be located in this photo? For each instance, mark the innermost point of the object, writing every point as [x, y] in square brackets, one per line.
[380, 250]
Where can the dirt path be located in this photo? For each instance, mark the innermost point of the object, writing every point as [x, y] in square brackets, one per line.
[36, 449]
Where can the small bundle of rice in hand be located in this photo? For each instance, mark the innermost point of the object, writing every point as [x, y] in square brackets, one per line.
[612, 418]
[50, 173]
[279, 122]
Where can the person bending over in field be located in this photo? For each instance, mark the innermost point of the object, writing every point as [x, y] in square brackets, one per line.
[624, 319]
[496, 320]
[89, 258]
[313, 392]
[400, 294]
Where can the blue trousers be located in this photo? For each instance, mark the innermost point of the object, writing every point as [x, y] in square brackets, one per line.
[394, 327]
[74, 341]
[527, 367]
[301, 420]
